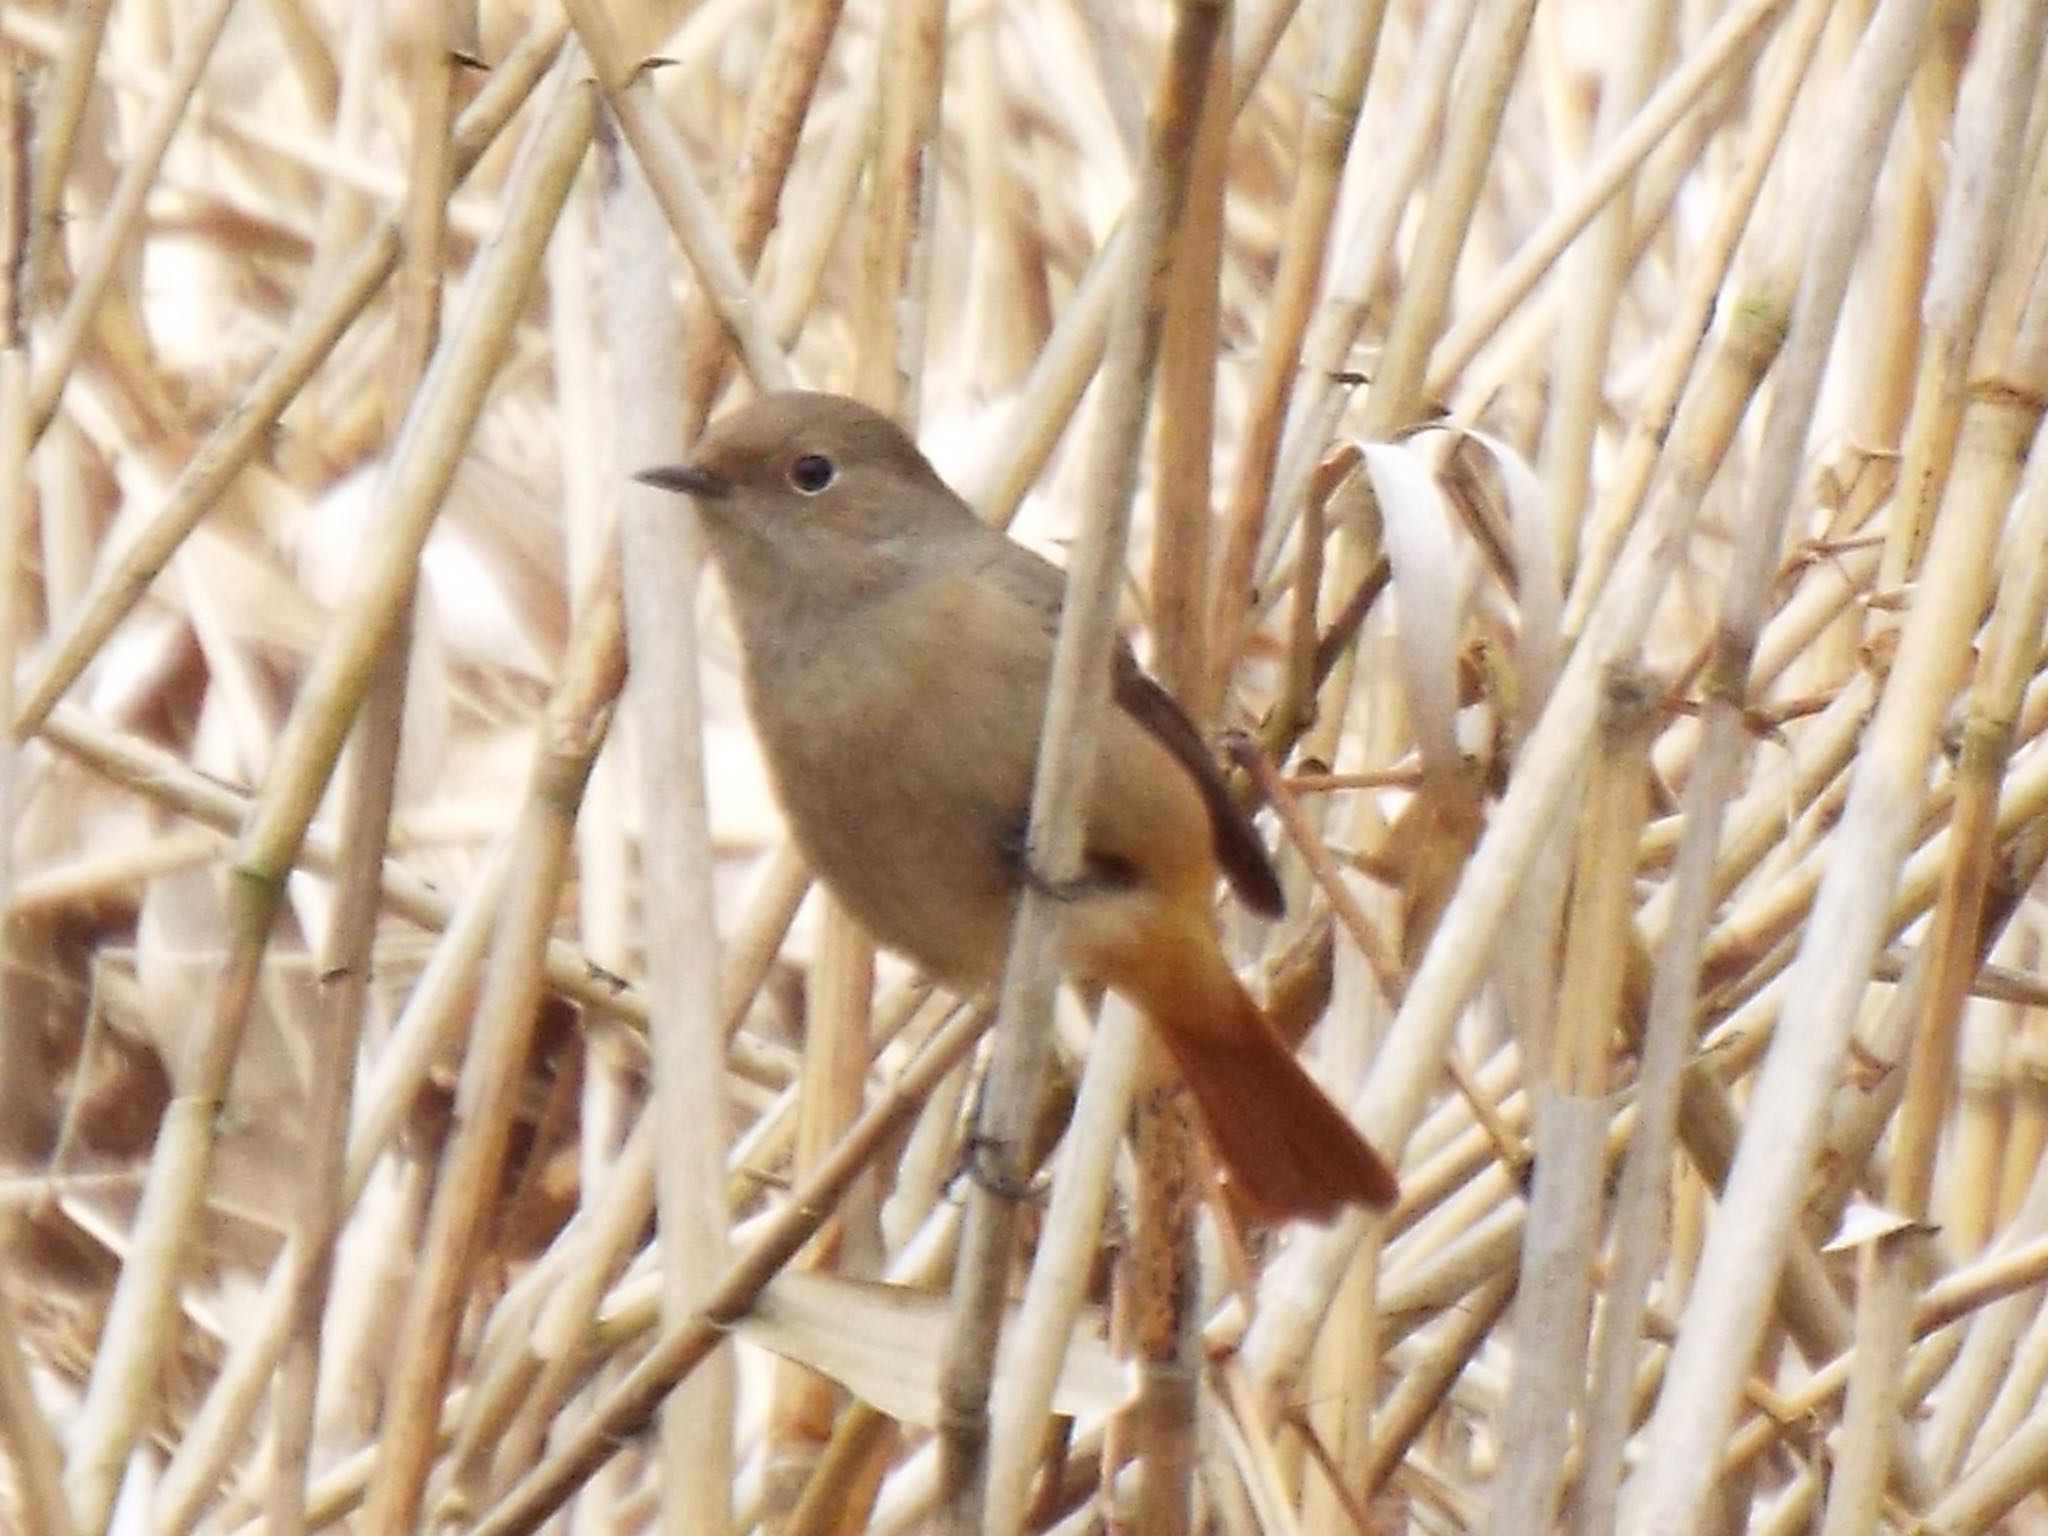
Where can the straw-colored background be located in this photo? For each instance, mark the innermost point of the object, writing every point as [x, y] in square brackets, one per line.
[1588, 463]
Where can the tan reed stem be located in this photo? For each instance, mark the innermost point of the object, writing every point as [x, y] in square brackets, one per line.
[56, 136]
[1078, 696]
[368, 796]
[680, 193]
[1161, 1269]
[1561, 1236]
[661, 556]
[1593, 274]
[1332, 118]
[25, 1429]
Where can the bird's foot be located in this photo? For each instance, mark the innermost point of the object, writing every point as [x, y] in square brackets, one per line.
[982, 1162]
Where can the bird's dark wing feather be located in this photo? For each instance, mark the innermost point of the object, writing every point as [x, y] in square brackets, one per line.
[1030, 579]
[1238, 849]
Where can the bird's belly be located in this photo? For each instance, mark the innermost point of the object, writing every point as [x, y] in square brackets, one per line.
[907, 804]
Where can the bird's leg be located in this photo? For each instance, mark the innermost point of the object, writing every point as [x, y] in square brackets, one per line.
[1099, 874]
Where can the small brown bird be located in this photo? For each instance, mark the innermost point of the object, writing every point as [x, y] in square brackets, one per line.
[897, 652]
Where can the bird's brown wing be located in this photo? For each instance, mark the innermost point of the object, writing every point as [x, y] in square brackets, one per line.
[1238, 848]
[1028, 578]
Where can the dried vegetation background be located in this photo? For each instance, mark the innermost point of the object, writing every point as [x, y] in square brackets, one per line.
[1592, 467]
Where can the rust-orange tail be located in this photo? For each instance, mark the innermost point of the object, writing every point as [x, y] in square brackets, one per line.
[1287, 1148]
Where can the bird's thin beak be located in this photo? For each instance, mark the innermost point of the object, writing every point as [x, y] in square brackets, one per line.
[690, 479]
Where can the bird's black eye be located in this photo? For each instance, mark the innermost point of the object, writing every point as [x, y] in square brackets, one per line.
[812, 472]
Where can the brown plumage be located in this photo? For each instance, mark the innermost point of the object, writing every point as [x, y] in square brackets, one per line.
[897, 652]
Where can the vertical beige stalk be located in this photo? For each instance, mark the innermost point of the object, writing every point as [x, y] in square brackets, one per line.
[25, 1431]
[1593, 275]
[1074, 710]
[1349, 46]
[56, 136]
[660, 556]
[1160, 1277]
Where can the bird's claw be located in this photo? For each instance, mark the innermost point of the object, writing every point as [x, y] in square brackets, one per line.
[981, 1159]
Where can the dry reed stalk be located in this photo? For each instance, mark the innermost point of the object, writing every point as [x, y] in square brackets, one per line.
[604, 886]
[1561, 1236]
[1020, 1407]
[680, 193]
[1077, 698]
[1334, 107]
[56, 136]
[512, 981]
[1160, 1273]
[25, 1428]
[1593, 276]
[660, 558]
